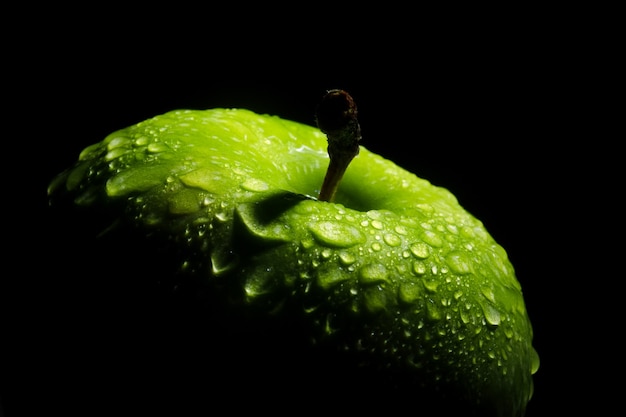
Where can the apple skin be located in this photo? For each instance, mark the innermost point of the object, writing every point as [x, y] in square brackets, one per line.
[394, 275]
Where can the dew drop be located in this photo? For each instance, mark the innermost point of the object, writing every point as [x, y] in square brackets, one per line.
[221, 216]
[465, 317]
[115, 153]
[392, 240]
[432, 239]
[409, 292]
[534, 361]
[254, 185]
[117, 142]
[377, 224]
[488, 293]
[459, 262]
[206, 201]
[346, 258]
[336, 234]
[157, 147]
[419, 268]
[375, 299]
[432, 312]
[221, 263]
[431, 285]
[141, 141]
[401, 230]
[373, 273]
[331, 277]
[492, 315]
[508, 332]
[420, 250]
[376, 247]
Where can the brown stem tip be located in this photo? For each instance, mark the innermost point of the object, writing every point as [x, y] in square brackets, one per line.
[336, 116]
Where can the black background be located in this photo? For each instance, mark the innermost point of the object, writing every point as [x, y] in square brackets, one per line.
[498, 108]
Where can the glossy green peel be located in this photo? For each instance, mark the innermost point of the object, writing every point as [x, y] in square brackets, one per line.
[394, 270]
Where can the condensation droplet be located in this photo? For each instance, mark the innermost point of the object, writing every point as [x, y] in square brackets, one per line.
[432, 239]
[141, 141]
[488, 293]
[410, 292]
[377, 224]
[420, 250]
[534, 361]
[331, 277]
[255, 185]
[431, 285]
[115, 153]
[336, 234]
[432, 312]
[373, 273]
[465, 317]
[346, 258]
[392, 240]
[221, 216]
[492, 315]
[401, 230]
[459, 262]
[156, 147]
[419, 268]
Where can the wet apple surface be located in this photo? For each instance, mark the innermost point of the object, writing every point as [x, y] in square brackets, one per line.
[393, 274]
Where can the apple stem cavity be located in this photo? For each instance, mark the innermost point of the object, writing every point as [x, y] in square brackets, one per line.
[336, 116]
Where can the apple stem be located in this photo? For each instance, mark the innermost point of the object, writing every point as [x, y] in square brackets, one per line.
[336, 116]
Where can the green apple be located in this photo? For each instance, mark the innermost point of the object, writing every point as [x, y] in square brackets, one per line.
[390, 271]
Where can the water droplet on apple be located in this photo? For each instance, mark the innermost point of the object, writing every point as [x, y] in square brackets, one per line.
[346, 258]
[465, 317]
[255, 185]
[431, 285]
[392, 240]
[488, 293]
[377, 224]
[115, 153]
[221, 216]
[420, 250]
[433, 312]
[492, 315]
[419, 268]
[459, 262]
[141, 141]
[336, 234]
[222, 263]
[432, 239]
[156, 147]
[331, 277]
[401, 230]
[375, 299]
[373, 273]
[409, 292]
[534, 361]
